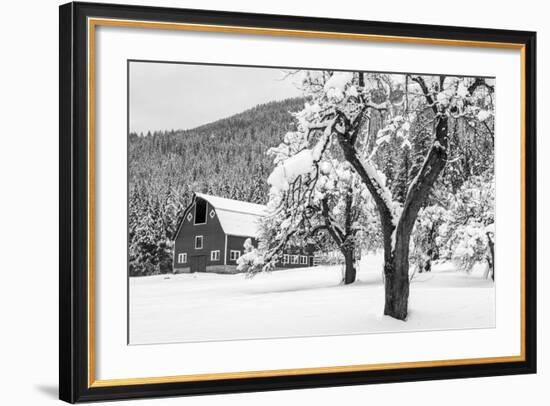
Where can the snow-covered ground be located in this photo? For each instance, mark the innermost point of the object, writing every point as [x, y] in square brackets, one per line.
[301, 302]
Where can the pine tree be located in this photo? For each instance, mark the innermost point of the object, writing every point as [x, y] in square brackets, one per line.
[401, 184]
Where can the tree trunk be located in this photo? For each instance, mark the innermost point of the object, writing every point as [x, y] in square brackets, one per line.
[397, 292]
[396, 256]
[350, 271]
[491, 258]
[428, 265]
[396, 275]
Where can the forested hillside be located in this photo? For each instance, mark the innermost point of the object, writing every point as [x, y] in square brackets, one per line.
[225, 158]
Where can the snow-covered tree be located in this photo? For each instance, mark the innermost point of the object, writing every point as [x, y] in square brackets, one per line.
[471, 235]
[341, 104]
[458, 227]
[314, 198]
[426, 237]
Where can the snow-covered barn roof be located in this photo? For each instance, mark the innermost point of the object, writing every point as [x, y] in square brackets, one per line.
[236, 217]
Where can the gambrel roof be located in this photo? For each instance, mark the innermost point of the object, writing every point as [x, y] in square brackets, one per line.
[236, 217]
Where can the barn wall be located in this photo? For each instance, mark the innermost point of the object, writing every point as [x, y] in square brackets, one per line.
[308, 252]
[213, 239]
[236, 243]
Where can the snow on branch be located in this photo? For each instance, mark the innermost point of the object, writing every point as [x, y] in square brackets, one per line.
[339, 85]
[300, 164]
[383, 191]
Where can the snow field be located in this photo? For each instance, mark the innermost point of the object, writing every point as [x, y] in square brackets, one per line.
[301, 302]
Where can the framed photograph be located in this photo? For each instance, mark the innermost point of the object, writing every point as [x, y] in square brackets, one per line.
[258, 202]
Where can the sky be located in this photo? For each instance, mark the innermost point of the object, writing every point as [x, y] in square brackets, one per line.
[165, 96]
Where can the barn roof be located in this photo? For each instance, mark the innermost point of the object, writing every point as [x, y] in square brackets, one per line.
[236, 217]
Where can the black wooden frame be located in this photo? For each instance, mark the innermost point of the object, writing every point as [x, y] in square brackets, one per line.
[73, 197]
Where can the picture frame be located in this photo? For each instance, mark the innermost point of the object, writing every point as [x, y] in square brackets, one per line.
[78, 381]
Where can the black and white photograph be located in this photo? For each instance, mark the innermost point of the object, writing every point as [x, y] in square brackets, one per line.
[277, 202]
[274, 203]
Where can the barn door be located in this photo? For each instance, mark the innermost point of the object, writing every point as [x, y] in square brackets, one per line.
[201, 263]
[198, 263]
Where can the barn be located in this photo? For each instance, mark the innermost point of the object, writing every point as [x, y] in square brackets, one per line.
[212, 231]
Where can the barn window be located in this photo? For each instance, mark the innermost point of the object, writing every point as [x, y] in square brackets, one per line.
[215, 255]
[303, 260]
[198, 242]
[294, 259]
[189, 217]
[286, 259]
[182, 258]
[200, 211]
[212, 213]
[234, 255]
